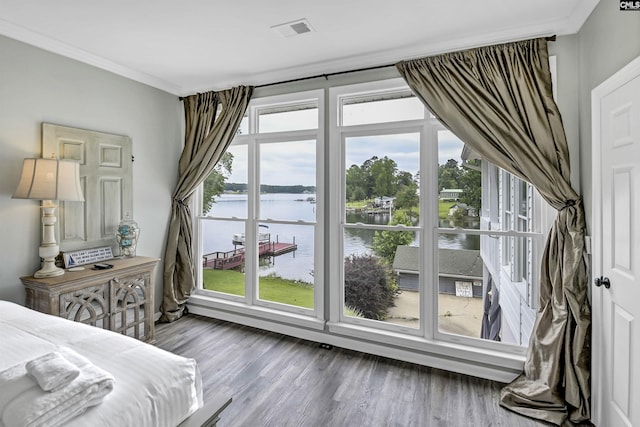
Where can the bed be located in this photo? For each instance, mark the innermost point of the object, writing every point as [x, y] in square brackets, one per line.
[152, 387]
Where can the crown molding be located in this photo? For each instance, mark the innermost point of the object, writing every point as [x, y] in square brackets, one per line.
[41, 41]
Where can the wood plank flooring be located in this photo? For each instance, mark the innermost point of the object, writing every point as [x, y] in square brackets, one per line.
[277, 380]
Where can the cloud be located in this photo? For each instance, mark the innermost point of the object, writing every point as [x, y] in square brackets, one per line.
[449, 147]
[293, 162]
[288, 163]
[282, 163]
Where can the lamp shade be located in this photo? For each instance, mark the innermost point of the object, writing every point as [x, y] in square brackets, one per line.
[49, 179]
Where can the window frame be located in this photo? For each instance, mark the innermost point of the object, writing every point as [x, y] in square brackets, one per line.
[337, 312]
[517, 256]
[254, 141]
[428, 231]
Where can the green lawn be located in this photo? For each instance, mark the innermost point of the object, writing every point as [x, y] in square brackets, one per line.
[359, 204]
[443, 206]
[227, 281]
[271, 288]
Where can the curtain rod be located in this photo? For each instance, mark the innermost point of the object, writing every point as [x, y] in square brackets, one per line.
[327, 75]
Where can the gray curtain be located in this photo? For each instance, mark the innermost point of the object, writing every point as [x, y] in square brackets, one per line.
[498, 101]
[208, 132]
[492, 315]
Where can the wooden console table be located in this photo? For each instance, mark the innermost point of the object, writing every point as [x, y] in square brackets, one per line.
[119, 299]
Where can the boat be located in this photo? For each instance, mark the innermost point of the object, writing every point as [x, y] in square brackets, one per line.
[238, 238]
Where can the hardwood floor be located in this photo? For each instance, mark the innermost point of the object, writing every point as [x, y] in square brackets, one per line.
[277, 380]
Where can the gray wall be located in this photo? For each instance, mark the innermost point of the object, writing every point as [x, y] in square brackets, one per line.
[37, 86]
[565, 50]
[608, 41]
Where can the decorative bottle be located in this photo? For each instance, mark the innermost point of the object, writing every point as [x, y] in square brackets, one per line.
[127, 236]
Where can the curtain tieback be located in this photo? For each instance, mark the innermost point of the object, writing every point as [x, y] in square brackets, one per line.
[570, 203]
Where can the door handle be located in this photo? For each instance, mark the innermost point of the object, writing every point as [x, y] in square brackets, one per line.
[603, 281]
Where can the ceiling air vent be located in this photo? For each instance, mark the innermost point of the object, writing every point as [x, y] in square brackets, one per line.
[293, 28]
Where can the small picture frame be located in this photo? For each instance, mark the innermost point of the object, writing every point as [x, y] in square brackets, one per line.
[86, 256]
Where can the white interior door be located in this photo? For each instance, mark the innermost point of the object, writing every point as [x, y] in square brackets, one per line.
[616, 261]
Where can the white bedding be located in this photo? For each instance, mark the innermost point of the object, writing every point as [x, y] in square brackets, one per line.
[153, 387]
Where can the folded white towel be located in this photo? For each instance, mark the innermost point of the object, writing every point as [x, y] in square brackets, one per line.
[34, 407]
[52, 371]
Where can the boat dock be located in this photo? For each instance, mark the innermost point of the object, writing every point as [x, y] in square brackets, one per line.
[235, 258]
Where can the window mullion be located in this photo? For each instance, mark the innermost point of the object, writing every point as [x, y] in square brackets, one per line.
[196, 209]
[429, 223]
[251, 224]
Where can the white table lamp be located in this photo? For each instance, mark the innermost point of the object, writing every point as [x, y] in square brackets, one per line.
[49, 180]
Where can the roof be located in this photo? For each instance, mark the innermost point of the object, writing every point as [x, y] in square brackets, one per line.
[451, 262]
[459, 206]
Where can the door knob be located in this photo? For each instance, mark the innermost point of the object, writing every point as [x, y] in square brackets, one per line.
[603, 281]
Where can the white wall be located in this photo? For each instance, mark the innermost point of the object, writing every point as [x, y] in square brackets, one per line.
[37, 86]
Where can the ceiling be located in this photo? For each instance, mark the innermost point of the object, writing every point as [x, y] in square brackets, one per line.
[191, 46]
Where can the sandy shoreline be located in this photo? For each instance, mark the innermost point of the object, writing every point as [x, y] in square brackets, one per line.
[456, 315]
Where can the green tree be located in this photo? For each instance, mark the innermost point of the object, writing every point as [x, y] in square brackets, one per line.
[358, 194]
[385, 243]
[384, 176]
[369, 177]
[404, 178]
[356, 183]
[214, 184]
[471, 184]
[407, 197]
[378, 177]
[449, 175]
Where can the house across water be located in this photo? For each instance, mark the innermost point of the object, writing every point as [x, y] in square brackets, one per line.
[451, 194]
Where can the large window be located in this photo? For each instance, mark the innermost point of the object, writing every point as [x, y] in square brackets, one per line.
[373, 223]
[259, 226]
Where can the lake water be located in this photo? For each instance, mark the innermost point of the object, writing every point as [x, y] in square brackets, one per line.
[298, 265]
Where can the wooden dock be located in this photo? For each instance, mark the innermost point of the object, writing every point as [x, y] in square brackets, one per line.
[235, 258]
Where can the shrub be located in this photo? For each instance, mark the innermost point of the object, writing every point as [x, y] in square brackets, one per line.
[369, 286]
[385, 243]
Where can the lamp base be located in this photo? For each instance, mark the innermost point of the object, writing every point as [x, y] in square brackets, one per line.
[48, 269]
[49, 248]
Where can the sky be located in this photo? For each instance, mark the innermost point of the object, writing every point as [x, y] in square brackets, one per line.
[293, 163]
